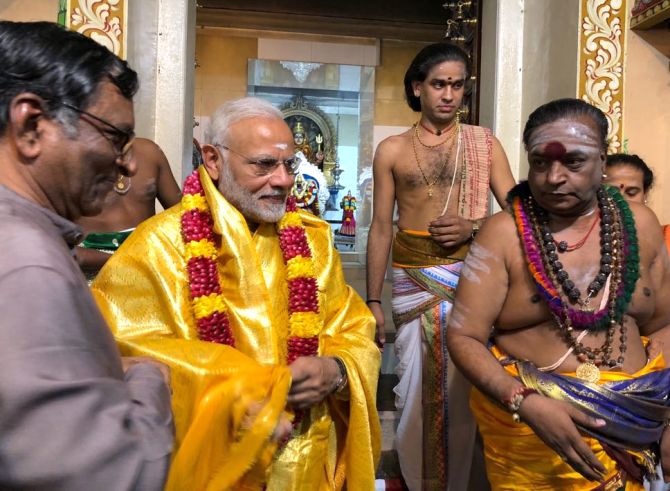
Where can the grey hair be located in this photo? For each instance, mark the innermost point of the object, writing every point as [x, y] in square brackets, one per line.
[237, 110]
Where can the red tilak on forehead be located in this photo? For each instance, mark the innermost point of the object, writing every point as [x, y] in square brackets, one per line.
[554, 151]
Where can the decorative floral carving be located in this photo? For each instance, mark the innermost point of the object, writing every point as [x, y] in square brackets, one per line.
[101, 20]
[601, 61]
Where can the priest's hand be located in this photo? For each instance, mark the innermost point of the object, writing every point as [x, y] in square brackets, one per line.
[665, 454]
[554, 422]
[313, 379]
[450, 230]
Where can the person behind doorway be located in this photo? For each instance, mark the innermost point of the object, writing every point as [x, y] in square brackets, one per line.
[569, 393]
[73, 415]
[631, 175]
[634, 178]
[243, 295]
[132, 202]
[438, 174]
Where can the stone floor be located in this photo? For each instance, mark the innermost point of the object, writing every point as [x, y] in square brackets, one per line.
[388, 472]
[389, 477]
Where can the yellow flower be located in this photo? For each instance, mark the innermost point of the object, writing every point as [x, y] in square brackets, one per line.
[290, 219]
[206, 305]
[202, 247]
[194, 202]
[299, 267]
[304, 324]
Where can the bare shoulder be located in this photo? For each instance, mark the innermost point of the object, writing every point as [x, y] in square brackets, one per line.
[499, 227]
[145, 145]
[499, 159]
[147, 153]
[498, 235]
[391, 147]
[649, 231]
[645, 218]
[497, 146]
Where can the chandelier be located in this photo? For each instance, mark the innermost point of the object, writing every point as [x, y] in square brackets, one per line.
[299, 69]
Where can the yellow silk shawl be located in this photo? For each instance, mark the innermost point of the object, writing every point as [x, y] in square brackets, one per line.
[144, 295]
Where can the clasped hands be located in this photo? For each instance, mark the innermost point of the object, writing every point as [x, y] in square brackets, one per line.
[313, 379]
[450, 230]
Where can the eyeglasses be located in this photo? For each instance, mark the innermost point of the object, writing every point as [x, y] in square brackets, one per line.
[266, 166]
[121, 140]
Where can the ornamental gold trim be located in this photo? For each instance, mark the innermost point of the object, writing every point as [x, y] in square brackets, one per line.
[104, 21]
[651, 16]
[601, 52]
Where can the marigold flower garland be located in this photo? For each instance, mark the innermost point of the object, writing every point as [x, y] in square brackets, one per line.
[209, 308]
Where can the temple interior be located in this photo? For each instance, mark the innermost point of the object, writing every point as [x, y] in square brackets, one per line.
[335, 69]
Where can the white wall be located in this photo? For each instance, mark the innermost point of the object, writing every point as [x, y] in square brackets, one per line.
[522, 68]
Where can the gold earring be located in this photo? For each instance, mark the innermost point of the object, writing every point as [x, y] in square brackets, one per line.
[121, 187]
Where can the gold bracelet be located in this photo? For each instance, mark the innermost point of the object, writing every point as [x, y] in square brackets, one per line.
[513, 403]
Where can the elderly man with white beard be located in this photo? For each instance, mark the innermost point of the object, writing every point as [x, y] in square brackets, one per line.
[273, 359]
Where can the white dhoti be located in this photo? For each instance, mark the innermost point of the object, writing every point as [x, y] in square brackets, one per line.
[432, 395]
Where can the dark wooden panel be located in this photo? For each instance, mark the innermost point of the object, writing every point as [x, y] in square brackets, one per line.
[322, 25]
[416, 11]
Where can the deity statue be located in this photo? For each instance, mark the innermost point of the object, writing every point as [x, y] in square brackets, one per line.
[309, 188]
[301, 141]
[348, 206]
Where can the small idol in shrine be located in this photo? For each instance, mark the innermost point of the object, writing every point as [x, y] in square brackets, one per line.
[348, 206]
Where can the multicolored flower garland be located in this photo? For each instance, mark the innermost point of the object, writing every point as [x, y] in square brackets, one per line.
[209, 308]
[521, 203]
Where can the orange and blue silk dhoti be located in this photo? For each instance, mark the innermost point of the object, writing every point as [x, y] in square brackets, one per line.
[432, 396]
[634, 406]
